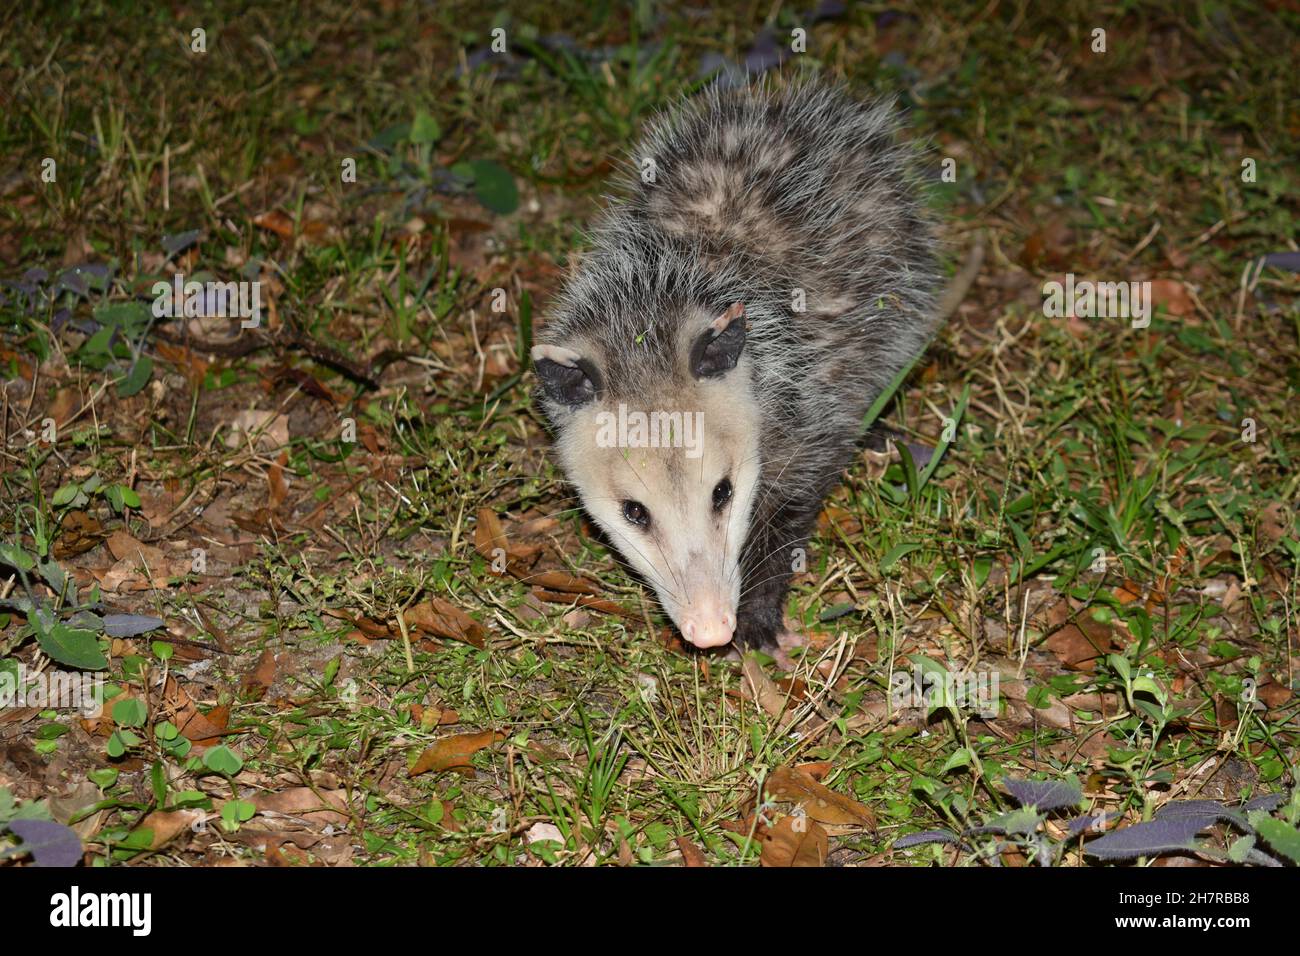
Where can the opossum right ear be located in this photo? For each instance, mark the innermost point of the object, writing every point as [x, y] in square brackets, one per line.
[717, 350]
[568, 378]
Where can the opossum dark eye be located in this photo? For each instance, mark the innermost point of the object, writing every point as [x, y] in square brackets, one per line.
[636, 513]
[721, 494]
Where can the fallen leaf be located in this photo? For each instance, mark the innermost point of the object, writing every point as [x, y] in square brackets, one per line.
[562, 581]
[691, 854]
[491, 541]
[443, 619]
[1172, 294]
[819, 802]
[276, 221]
[329, 806]
[794, 841]
[453, 753]
[257, 681]
[762, 689]
[277, 487]
[544, 831]
[202, 730]
[268, 431]
[125, 547]
[604, 605]
[79, 533]
[167, 825]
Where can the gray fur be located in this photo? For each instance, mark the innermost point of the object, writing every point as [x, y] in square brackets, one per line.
[758, 193]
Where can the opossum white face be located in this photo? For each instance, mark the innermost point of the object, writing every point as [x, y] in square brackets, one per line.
[670, 477]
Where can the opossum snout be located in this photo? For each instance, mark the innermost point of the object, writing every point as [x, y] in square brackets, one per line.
[708, 623]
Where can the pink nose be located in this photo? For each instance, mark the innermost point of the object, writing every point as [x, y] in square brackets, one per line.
[704, 626]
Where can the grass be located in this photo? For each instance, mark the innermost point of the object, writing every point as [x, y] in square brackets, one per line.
[1110, 526]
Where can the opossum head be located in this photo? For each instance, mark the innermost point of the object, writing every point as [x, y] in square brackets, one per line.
[670, 471]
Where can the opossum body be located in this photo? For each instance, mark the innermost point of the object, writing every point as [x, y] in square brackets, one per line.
[765, 273]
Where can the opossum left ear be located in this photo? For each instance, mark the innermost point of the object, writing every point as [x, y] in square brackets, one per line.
[718, 348]
[567, 377]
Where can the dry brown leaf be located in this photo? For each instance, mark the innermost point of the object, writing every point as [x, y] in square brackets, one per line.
[257, 681]
[819, 802]
[561, 581]
[604, 605]
[202, 730]
[276, 221]
[66, 403]
[1079, 645]
[1172, 294]
[492, 542]
[692, 855]
[78, 534]
[167, 825]
[124, 547]
[452, 753]
[329, 806]
[277, 487]
[762, 690]
[794, 841]
[268, 430]
[443, 619]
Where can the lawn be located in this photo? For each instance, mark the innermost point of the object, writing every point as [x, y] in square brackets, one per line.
[332, 601]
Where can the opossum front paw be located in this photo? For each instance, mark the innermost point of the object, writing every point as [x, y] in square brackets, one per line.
[787, 641]
[754, 634]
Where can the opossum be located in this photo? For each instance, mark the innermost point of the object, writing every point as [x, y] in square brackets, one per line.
[765, 270]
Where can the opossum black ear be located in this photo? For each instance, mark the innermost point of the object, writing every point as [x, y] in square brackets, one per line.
[718, 348]
[568, 378]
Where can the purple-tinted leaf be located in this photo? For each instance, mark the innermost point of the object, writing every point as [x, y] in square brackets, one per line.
[1044, 794]
[1192, 808]
[925, 836]
[1148, 839]
[71, 280]
[727, 75]
[1290, 261]
[49, 843]
[763, 54]
[1207, 811]
[180, 241]
[557, 42]
[1268, 802]
[129, 625]
[60, 319]
[33, 278]
[921, 454]
[829, 10]
[1258, 858]
[890, 17]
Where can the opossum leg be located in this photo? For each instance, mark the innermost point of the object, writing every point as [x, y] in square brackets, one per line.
[760, 619]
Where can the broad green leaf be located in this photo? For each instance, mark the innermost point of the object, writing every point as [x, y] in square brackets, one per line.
[494, 186]
[424, 129]
[137, 378]
[222, 759]
[1282, 837]
[897, 551]
[72, 646]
